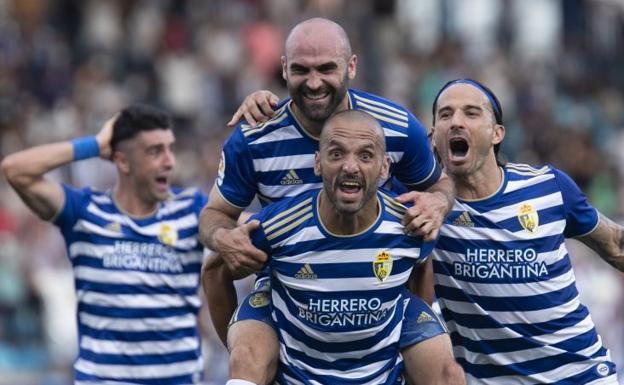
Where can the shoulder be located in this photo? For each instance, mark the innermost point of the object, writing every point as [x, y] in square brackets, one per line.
[280, 120]
[517, 172]
[180, 197]
[395, 209]
[287, 214]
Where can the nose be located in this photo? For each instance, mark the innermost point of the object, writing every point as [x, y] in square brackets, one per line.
[169, 159]
[350, 165]
[457, 120]
[314, 81]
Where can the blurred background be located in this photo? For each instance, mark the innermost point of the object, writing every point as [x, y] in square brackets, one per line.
[68, 65]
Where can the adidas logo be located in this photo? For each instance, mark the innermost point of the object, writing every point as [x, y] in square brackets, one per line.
[464, 220]
[424, 317]
[291, 178]
[305, 273]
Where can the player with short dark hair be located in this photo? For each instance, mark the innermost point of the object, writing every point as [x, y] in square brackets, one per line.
[134, 250]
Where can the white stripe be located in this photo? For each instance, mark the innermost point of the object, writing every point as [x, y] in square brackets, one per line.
[386, 119]
[83, 226]
[280, 191]
[506, 290]
[344, 284]
[366, 107]
[380, 104]
[512, 210]
[514, 185]
[171, 207]
[301, 346]
[393, 133]
[313, 257]
[395, 156]
[337, 337]
[389, 227]
[512, 317]
[502, 235]
[137, 324]
[187, 221]
[248, 131]
[310, 233]
[284, 162]
[136, 300]
[282, 133]
[101, 199]
[127, 277]
[98, 251]
[139, 371]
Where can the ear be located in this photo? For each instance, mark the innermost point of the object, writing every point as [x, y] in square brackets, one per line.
[352, 67]
[431, 136]
[284, 64]
[317, 164]
[385, 167]
[499, 134]
[120, 159]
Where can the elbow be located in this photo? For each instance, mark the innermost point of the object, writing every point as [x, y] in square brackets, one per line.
[10, 170]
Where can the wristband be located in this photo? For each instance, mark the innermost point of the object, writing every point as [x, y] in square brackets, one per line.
[85, 147]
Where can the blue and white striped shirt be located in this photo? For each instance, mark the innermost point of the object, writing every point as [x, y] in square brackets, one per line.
[337, 300]
[136, 283]
[276, 159]
[506, 286]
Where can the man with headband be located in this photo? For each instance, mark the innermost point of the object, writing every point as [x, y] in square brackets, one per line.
[502, 272]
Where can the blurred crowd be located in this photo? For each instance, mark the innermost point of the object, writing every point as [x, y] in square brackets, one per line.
[68, 65]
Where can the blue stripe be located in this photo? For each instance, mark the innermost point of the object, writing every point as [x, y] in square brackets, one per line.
[143, 359]
[549, 215]
[112, 288]
[518, 303]
[128, 312]
[114, 335]
[340, 270]
[83, 260]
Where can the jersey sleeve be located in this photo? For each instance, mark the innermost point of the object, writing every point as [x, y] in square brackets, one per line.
[236, 175]
[418, 168]
[72, 207]
[581, 217]
[258, 237]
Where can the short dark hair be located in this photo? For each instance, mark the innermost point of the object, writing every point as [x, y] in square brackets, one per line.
[136, 118]
[494, 102]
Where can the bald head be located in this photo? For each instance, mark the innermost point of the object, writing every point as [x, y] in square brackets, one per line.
[353, 124]
[321, 34]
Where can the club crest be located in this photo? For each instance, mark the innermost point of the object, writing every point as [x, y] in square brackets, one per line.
[221, 169]
[167, 234]
[528, 217]
[259, 299]
[382, 266]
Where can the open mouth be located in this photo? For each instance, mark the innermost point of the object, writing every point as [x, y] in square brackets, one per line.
[459, 147]
[314, 97]
[350, 187]
[162, 181]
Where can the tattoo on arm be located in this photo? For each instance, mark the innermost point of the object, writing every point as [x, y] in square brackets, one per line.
[608, 241]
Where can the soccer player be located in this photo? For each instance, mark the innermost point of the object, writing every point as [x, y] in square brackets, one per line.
[134, 250]
[276, 160]
[339, 261]
[502, 271]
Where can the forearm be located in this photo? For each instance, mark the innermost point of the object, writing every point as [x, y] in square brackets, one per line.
[421, 281]
[221, 297]
[446, 189]
[607, 240]
[211, 220]
[25, 167]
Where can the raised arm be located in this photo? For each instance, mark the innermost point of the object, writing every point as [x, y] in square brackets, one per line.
[607, 240]
[25, 169]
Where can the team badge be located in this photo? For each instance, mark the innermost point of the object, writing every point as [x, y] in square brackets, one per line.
[167, 234]
[382, 266]
[260, 299]
[221, 170]
[528, 217]
[115, 227]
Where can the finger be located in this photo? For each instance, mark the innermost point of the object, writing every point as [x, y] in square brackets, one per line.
[250, 226]
[235, 118]
[410, 196]
[266, 109]
[274, 100]
[257, 114]
[410, 215]
[432, 235]
[250, 119]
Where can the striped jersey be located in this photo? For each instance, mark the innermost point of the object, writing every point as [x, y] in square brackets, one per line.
[137, 286]
[506, 287]
[276, 159]
[337, 300]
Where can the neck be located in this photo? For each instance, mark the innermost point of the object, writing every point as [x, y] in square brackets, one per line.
[128, 201]
[314, 127]
[481, 184]
[341, 223]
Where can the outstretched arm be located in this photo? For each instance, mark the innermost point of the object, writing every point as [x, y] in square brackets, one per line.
[25, 170]
[607, 240]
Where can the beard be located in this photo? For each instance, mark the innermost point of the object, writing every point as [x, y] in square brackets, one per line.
[315, 111]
